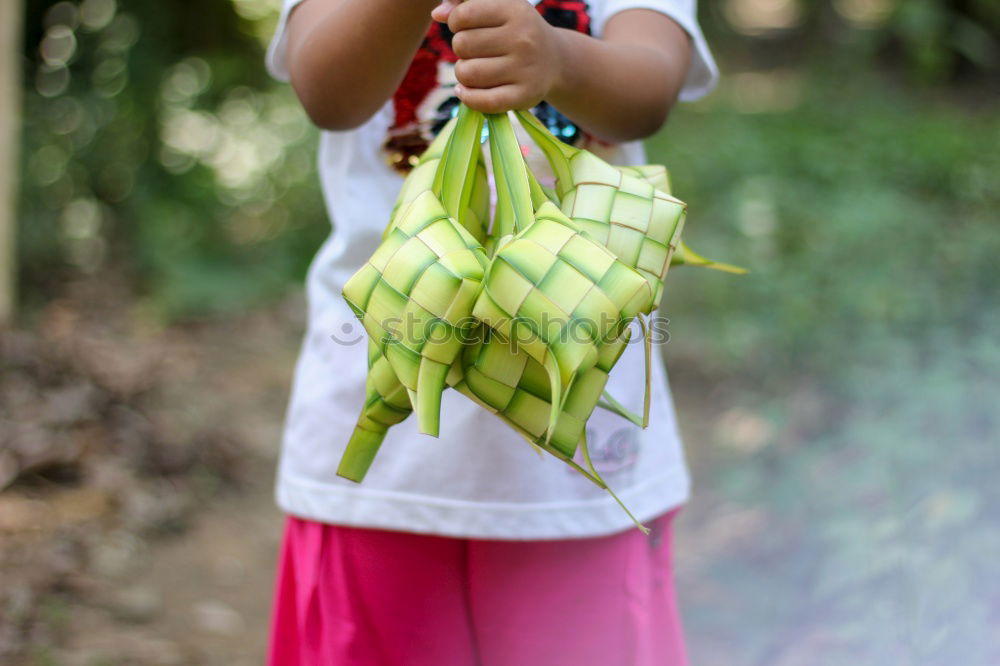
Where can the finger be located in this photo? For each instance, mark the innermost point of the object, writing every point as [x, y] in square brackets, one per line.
[493, 100]
[483, 72]
[441, 12]
[479, 43]
[477, 14]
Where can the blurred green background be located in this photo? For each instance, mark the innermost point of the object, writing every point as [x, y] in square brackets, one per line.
[839, 403]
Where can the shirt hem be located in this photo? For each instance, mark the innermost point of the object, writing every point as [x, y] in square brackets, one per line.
[404, 512]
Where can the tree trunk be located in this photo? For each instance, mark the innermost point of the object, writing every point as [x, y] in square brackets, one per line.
[10, 142]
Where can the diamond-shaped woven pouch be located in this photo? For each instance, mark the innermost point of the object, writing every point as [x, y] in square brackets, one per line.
[558, 295]
[414, 297]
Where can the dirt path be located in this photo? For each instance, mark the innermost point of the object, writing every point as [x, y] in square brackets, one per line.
[201, 597]
[153, 542]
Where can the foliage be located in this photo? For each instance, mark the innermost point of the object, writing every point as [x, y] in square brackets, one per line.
[928, 40]
[865, 339]
[155, 142]
[865, 216]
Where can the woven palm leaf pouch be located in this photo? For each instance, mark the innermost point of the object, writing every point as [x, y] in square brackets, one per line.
[525, 314]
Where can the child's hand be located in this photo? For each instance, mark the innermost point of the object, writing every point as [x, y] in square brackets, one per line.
[508, 56]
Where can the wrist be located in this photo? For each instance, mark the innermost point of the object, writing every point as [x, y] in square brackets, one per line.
[559, 73]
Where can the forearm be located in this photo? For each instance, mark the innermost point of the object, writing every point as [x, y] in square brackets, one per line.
[619, 88]
[346, 57]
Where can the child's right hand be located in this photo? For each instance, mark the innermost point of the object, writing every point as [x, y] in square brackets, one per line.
[617, 87]
[508, 54]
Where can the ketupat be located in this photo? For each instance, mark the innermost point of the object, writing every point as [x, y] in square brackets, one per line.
[414, 296]
[592, 284]
[386, 400]
[554, 291]
[559, 295]
[585, 258]
[629, 209]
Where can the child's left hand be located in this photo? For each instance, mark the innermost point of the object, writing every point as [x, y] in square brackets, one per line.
[508, 55]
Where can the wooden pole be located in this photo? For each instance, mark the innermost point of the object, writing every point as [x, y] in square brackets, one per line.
[10, 141]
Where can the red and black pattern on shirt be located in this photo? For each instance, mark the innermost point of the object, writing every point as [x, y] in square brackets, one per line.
[407, 139]
[570, 14]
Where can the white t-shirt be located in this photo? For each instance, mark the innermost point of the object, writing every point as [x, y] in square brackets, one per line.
[479, 478]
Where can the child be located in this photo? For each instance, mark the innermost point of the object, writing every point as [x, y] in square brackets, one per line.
[468, 548]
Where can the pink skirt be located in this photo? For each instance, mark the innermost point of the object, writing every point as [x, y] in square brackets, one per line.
[350, 596]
